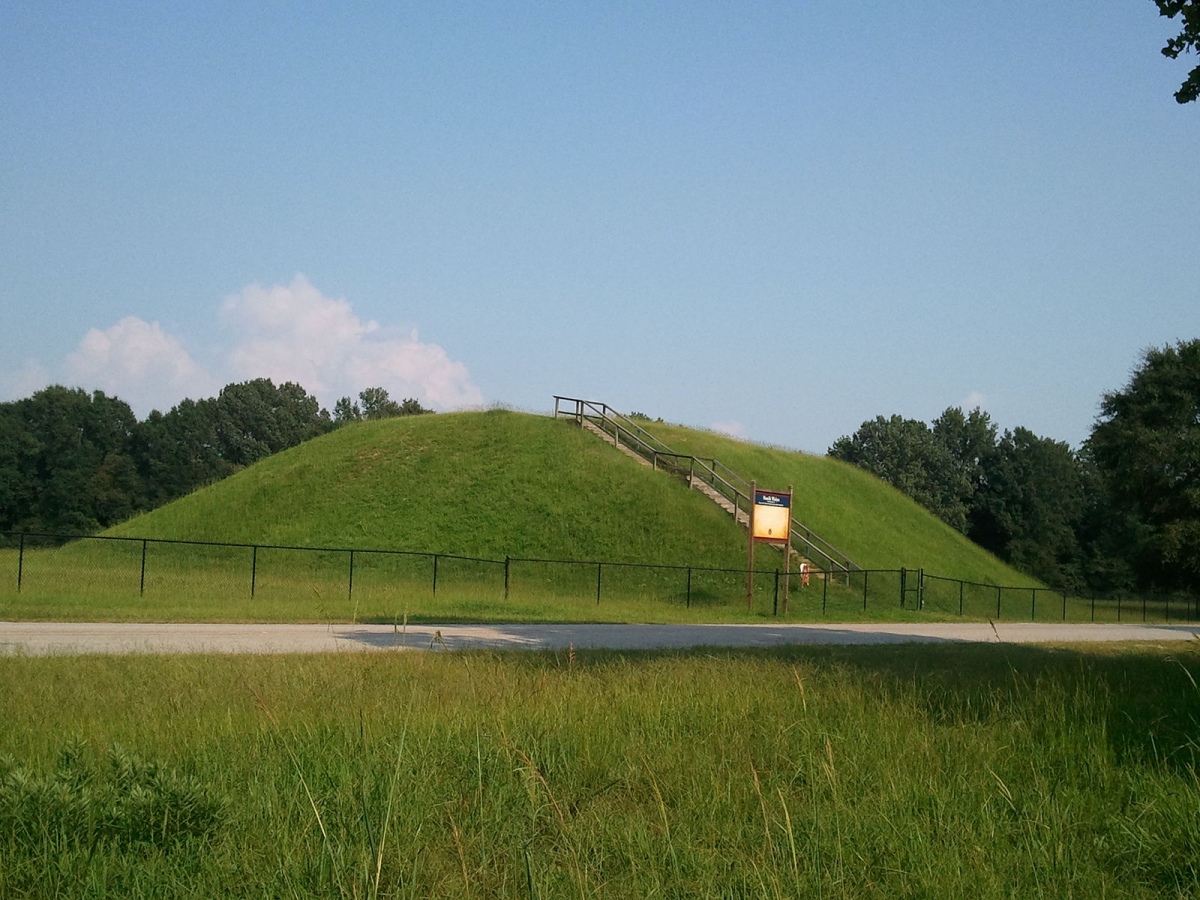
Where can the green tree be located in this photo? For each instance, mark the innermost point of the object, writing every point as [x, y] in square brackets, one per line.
[1187, 40]
[376, 404]
[1146, 448]
[255, 419]
[905, 454]
[346, 410]
[179, 451]
[410, 406]
[1031, 505]
[67, 462]
[970, 439]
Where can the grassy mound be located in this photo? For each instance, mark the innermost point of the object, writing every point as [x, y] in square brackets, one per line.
[488, 486]
[502, 483]
[872, 522]
[476, 484]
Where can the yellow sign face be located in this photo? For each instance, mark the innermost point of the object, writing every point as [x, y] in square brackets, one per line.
[772, 515]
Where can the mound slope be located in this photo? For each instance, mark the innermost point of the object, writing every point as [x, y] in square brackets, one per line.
[498, 482]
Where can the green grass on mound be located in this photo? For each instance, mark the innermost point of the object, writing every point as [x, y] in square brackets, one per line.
[486, 486]
[873, 523]
[476, 484]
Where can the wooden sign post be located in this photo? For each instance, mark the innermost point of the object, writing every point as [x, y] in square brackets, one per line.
[770, 521]
[750, 571]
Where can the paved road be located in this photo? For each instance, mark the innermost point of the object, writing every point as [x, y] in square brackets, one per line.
[40, 638]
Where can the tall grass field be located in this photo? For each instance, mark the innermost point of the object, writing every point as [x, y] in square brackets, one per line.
[934, 771]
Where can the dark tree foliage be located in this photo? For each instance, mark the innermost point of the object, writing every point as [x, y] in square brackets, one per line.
[905, 454]
[374, 403]
[180, 451]
[1187, 40]
[73, 462]
[1146, 448]
[970, 438]
[1031, 505]
[255, 419]
[66, 462]
[1110, 539]
[1020, 496]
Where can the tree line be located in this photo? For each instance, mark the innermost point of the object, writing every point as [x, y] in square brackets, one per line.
[1120, 513]
[75, 462]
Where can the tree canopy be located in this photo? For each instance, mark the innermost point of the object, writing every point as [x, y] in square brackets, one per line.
[907, 455]
[374, 403]
[73, 462]
[1146, 446]
[1020, 496]
[1122, 512]
[1187, 40]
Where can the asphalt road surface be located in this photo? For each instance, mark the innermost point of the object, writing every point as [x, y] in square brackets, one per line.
[41, 638]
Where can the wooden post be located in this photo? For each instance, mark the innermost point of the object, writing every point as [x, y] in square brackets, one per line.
[787, 552]
[750, 533]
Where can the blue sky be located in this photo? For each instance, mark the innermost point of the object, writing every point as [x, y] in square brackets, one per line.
[776, 219]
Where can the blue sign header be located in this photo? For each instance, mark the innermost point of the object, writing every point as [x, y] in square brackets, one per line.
[772, 498]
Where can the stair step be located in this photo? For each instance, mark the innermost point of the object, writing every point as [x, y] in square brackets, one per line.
[610, 439]
[741, 516]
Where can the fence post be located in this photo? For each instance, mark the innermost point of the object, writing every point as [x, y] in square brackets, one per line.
[507, 562]
[599, 567]
[903, 584]
[1033, 606]
[921, 588]
[1119, 599]
[20, 562]
[998, 601]
[253, 570]
[1093, 605]
[435, 568]
[960, 597]
[689, 587]
[775, 601]
[350, 589]
[142, 583]
[1064, 606]
[865, 574]
[1143, 606]
[824, 590]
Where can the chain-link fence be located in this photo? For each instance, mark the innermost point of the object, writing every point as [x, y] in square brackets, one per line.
[333, 580]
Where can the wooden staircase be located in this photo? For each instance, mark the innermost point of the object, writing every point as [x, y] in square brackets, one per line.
[715, 481]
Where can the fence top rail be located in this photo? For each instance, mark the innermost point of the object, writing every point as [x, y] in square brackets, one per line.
[244, 546]
[834, 569]
[817, 571]
[994, 587]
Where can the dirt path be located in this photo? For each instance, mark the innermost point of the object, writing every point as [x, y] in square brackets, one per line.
[40, 638]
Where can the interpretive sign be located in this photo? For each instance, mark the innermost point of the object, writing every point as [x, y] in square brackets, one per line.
[772, 516]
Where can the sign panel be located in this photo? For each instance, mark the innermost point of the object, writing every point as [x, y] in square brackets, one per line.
[772, 515]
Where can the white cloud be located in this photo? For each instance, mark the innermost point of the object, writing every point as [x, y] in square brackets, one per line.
[138, 362]
[974, 399]
[733, 429]
[294, 333]
[285, 332]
